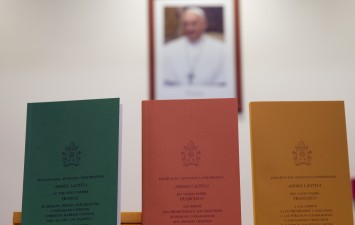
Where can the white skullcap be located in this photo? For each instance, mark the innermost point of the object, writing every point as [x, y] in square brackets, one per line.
[197, 11]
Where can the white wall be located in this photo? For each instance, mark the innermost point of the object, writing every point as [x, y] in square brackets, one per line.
[62, 50]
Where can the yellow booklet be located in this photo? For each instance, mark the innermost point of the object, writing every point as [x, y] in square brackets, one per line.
[300, 163]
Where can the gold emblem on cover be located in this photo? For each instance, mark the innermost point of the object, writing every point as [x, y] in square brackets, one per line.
[301, 154]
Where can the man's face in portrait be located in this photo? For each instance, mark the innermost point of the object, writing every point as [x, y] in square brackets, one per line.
[194, 25]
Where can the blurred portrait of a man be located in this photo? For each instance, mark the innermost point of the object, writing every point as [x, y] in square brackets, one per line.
[194, 58]
[193, 50]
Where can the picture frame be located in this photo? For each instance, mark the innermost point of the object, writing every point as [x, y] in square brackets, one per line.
[194, 49]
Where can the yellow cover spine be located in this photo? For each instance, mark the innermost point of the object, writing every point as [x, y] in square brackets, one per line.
[252, 158]
[131, 217]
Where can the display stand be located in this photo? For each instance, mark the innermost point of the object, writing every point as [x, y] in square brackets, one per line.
[129, 218]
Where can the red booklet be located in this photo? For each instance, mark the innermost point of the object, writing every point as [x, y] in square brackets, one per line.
[191, 162]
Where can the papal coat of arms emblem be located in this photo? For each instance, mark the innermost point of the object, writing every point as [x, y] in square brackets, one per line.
[71, 155]
[191, 154]
[301, 154]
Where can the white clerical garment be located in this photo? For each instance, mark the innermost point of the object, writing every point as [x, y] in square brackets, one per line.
[194, 63]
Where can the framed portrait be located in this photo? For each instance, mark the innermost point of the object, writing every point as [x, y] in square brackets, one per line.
[194, 49]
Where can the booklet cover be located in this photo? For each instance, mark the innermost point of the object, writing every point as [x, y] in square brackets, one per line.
[191, 162]
[72, 163]
[300, 163]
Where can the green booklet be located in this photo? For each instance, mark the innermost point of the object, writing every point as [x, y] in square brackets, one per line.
[71, 174]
